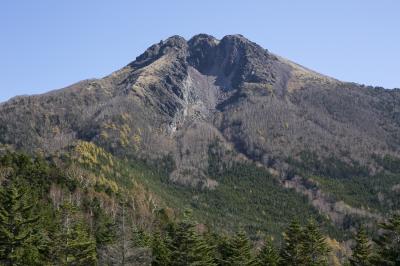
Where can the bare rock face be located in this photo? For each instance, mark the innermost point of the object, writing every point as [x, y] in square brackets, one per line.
[180, 96]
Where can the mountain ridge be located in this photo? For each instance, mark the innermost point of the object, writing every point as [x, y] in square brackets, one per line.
[189, 101]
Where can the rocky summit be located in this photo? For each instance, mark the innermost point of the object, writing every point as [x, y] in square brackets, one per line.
[179, 96]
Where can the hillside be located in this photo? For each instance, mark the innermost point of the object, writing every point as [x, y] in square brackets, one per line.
[241, 136]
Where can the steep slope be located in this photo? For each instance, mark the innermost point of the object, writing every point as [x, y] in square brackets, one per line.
[333, 141]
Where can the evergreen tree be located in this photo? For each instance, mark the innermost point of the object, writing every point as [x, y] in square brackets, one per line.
[74, 243]
[239, 250]
[315, 250]
[18, 226]
[389, 242]
[140, 247]
[362, 250]
[161, 253]
[268, 255]
[81, 248]
[223, 249]
[188, 247]
[292, 250]
[104, 226]
[139, 237]
[204, 252]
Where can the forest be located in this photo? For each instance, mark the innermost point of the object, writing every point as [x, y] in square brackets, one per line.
[37, 228]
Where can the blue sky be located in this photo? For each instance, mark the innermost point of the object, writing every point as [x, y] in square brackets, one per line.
[47, 44]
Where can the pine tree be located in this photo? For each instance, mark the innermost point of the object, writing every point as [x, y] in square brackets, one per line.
[389, 242]
[268, 255]
[315, 250]
[239, 250]
[291, 252]
[362, 250]
[18, 224]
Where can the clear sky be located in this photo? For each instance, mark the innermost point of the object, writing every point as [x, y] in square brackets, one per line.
[47, 44]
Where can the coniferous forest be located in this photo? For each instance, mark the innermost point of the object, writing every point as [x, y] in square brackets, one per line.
[49, 218]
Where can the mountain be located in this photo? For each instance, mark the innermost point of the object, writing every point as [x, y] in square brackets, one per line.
[233, 131]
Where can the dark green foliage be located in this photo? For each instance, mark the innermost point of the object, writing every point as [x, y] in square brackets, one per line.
[33, 232]
[351, 182]
[80, 247]
[222, 248]
[140, 238]
[35, 171]
[74, 244]
[66, 234]
[268, 255]
[188, 247]
[239, 186]
[332, 166]
[388, 243]
[239, 251]
[315, 249]
[292, 248]
[160, 251]
[304, 246]
[104, 226]
[19, 237]
[362, 251]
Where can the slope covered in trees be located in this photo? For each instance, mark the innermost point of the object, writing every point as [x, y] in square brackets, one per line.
[36, 229]
[70, 225]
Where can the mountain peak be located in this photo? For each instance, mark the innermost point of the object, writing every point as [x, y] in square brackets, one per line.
[235, 37]
[157, 50]
[175, 40]
[202, 37]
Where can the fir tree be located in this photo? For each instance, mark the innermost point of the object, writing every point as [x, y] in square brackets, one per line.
[188, 247]
[18, 226]
[362, 250]
[223, 249]
[81, 248]
[314, 248]
[239, 250]
[140, 247]
[268, 255]
[389, 242]
[104, 226]
[139, 237]
[161, 253]
[74, 243]
[292, 250]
